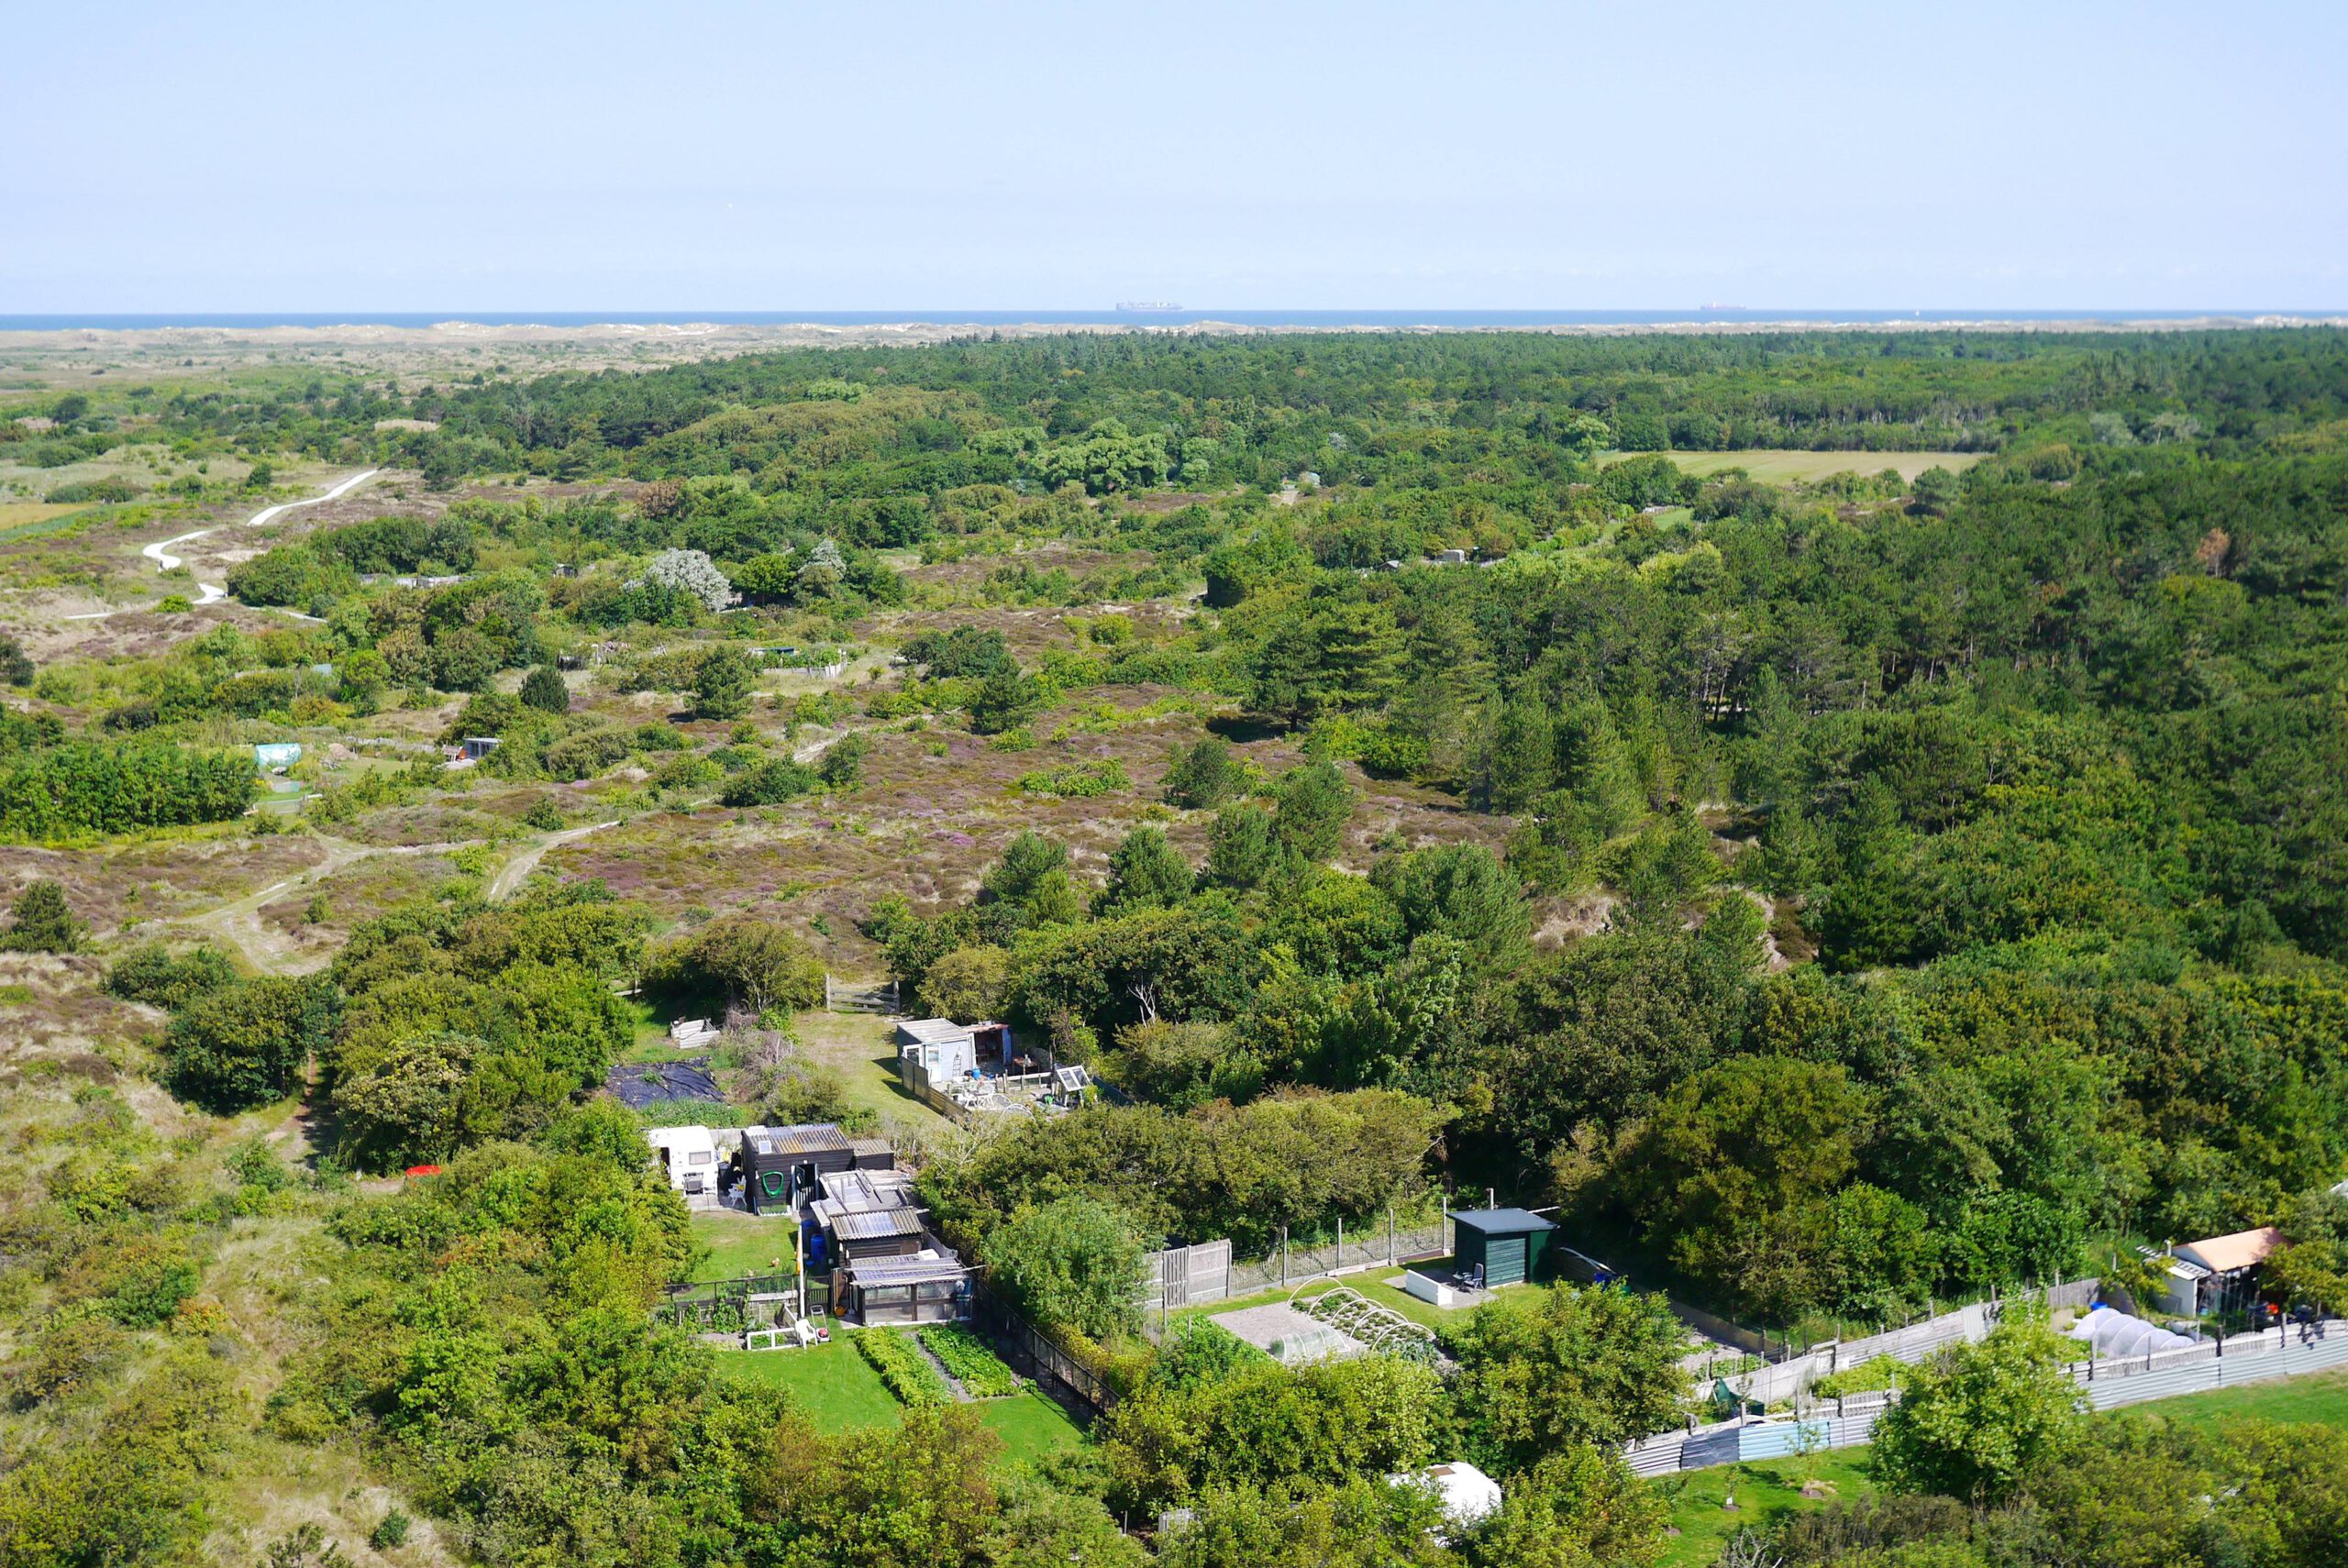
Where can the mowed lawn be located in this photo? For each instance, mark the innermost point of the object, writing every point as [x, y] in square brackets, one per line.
[2320, 1399]
[1775, 467]
[742, 1244]
[839, 1391]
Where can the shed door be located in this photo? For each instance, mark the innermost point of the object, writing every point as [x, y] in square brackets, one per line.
[1503, 1260]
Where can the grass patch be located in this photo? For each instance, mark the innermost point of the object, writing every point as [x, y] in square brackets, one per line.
[2321, 1400]
[1031, 1426]
[1766, 1491]
[1774, 467]
[830, 1384]
[742, 1244]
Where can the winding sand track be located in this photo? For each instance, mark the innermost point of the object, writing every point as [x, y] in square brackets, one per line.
[161, 554]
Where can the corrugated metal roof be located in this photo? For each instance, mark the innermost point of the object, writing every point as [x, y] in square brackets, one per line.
[877, 1224]
[849, 1190]
[905, 1270]
[817, 1138]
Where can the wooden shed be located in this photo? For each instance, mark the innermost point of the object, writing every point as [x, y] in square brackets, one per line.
[1499, 1246]
[782, 1167]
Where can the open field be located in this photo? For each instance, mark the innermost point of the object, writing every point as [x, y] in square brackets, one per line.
[1778, 466]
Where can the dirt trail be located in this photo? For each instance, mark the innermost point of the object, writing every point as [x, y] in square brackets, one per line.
[517, 870]
[237, 921]
[161, 554]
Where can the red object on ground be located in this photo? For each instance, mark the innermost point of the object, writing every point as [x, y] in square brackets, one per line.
[423, 1170]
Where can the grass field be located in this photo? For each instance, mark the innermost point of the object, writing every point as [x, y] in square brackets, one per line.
[740, 1244]
[857, 1046]
[1785, 467]
[2321, 1400]
[1766, 1490]
[13, 512]
[833, 1386]
[1031, 1426]
[838, 1390]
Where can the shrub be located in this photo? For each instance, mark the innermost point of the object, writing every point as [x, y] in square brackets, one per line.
[769, 784]
[1078, 781]
[543, 689]
[154, 974]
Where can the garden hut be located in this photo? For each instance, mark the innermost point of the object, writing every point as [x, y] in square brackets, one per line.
[783, 1166]
[1499, 1246]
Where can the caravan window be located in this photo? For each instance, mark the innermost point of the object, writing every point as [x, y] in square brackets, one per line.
[702, 1158]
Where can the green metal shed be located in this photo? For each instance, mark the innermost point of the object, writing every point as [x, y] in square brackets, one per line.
[1499, 1246]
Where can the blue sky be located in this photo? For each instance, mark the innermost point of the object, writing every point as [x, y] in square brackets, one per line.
[501, 156]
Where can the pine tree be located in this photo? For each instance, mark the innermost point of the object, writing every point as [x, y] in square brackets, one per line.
[43, 923]
[1145, 872]
[722, 684]
[543, 689]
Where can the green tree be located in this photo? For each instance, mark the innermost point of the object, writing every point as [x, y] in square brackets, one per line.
[1461, 891]
[969, 985]
[1551, 1366]
[723, 682]
[842, 764]
[16, 668]
[543, 689]
[1730, 1164]
[407, 1105]
[1145, 872]
[1241, 847]
[1313, 804]
[1523, 763]
[243, 1046]
[1026, 861]
[1074, 1263]
[1003, 700]
[1577, 1509]
[759, 962]
[1977, 1419]
[41, 922]
[1206, 775]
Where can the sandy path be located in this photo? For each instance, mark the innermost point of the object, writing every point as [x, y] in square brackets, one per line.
[516, 871]
[161, 554]
[237, 921]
